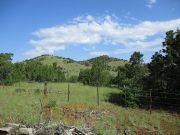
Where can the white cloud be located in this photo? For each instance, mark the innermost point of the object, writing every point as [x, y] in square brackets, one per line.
[99, 53]
[150, 3]
[90, 31]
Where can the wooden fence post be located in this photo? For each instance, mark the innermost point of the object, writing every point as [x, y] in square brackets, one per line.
[68, 92]
[45, 101]
[150, 103]
[45, 89]
[125, 102]
[125, 99]
[97, 95]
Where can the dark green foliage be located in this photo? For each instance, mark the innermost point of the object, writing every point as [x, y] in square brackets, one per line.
[51, 103]
[19, 73]
[35, 71]
[6, 69]
[130, 79]
[136, 58]
[164, 78]
[30, 70]
[85, 76]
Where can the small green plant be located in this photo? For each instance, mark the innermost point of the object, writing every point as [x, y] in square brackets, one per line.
[51, 103]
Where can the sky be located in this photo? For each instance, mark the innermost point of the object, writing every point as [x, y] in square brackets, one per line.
[82, 29]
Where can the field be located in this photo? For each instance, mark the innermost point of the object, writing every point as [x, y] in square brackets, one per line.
[20, 103]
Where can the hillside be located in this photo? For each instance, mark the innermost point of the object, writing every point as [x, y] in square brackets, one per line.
[72, 67]
[112, 62]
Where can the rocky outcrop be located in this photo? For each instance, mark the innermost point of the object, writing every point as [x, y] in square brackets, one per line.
[44, 129]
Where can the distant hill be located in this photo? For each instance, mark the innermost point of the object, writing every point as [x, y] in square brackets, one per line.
[112, 62]
[72, 67]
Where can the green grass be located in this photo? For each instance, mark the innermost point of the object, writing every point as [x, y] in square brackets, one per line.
[24, 107]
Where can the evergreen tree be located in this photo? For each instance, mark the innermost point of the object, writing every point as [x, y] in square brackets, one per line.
[164, 75]
[130, 79]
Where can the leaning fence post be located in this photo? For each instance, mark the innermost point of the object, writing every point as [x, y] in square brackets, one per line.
[68, 92]
[125, 99]
[45, 89]
[125, 102]
[45, 99]
[97, 95]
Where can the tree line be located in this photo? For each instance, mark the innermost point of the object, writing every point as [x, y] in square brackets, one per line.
[27, 71]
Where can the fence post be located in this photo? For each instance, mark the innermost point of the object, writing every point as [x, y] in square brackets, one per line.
[97, 95]
[150, 98]
[125, 99]
[68, 92]
[3, 85]
[125, 103]
[45, 100]
[45, 89]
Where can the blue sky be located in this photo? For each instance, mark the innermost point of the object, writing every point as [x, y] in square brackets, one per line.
[82, 29]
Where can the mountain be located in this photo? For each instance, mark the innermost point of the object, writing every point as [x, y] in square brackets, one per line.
[72, 67]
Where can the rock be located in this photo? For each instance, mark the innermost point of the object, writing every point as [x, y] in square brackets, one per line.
[6, 131]
[44, 129]
[26, 131]
[12, 125]
[68, 132]
[22, 126]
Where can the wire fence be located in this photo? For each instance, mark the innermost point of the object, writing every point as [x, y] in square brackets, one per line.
[158, 99]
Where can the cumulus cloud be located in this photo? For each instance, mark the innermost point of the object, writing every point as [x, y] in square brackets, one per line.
[150, 3]
[91, 31]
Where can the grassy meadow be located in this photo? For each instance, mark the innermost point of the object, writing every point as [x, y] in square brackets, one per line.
[24, 106]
